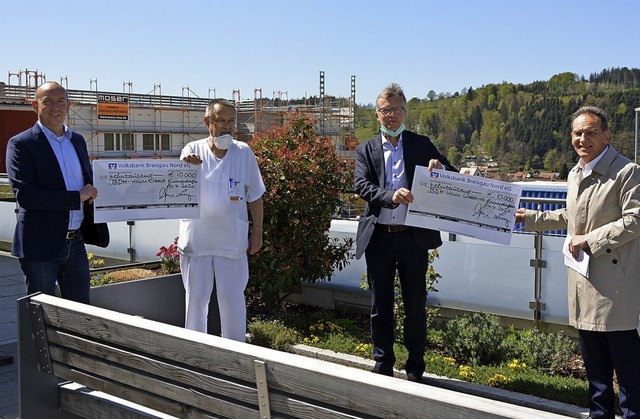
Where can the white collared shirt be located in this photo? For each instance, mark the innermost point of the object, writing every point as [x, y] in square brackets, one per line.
[588, 167]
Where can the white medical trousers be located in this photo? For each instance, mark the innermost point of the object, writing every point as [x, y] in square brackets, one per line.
[231, 278]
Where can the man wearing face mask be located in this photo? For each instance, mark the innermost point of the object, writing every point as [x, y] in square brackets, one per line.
[384, 171]
[215, 246]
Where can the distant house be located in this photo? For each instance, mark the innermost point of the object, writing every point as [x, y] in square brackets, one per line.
[548, 175]
[499, 176]
[520, 176]
[471, 171]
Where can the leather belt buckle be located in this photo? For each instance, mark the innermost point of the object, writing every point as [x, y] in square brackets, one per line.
[71, 234]
[392, 228]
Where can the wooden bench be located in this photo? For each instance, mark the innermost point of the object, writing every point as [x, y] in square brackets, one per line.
[124, 366]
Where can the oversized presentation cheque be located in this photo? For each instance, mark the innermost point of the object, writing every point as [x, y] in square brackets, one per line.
[151, 189]
[469, 205]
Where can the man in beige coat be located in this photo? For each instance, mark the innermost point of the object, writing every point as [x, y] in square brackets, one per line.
[602, 218]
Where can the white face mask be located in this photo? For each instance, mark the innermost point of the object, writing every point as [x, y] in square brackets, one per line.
[223, 142]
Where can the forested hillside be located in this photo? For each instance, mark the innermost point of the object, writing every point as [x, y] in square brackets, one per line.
[521, 126]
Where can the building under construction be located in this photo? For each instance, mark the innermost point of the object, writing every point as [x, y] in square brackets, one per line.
[130, 125]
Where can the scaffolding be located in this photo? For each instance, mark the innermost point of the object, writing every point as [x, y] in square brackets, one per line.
[155, 113]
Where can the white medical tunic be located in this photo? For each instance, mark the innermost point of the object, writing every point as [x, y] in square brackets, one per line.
[227, 185]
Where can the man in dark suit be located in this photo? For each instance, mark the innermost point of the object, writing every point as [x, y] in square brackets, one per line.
[51, 177]
[384, 171]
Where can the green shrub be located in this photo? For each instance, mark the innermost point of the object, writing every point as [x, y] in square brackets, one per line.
[476, 339]
[272, 334]
[479, 339]
[550, 352]
[304, 178]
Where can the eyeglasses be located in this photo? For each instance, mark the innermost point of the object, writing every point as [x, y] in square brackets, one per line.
[222, 121]
[389, 111]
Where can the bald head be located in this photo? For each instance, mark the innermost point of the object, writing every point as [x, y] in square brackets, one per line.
[49, 86]
[52, 106]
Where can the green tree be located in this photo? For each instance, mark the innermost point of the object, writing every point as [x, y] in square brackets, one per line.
[551, 160]
[304, 178]
[453, 155]
[564, 172]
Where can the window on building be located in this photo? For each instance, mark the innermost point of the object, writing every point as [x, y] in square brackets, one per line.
[116, 141]
[156, 142]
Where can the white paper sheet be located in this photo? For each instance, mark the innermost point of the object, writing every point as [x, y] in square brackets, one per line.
[580, 265]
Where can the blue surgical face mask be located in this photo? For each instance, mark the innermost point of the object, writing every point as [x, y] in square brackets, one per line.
[393, 133]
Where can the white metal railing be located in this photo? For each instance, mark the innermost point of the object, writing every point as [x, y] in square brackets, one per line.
[526, 279]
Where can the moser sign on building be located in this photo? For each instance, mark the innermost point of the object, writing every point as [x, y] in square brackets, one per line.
[113, 107]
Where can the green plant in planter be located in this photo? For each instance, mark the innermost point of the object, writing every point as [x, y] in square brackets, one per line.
[96, 278]
[304, 178]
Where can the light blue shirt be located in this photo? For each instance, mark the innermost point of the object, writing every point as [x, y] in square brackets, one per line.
[395, 178]
[70, 166]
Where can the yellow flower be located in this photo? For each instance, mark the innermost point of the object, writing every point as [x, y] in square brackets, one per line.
[322, 327]
[515, 364]
[466, 372]
[93, 262]
[498, 380]
[363, 347]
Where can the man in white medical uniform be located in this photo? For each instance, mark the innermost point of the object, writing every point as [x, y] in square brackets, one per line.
[215, 246]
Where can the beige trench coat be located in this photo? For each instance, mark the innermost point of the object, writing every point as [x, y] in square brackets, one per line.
[605, 207]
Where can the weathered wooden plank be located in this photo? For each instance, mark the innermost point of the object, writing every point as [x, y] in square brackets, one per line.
[166, 369]
[112, 376]
[289, 407]
[86, 403]
[204, 351]
[149, 398]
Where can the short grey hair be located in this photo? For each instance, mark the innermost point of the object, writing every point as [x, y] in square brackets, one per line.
[220, 102]
[595, 111]
[391, 90]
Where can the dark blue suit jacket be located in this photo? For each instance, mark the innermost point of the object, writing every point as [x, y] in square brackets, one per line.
[38, 184]
[369, 184]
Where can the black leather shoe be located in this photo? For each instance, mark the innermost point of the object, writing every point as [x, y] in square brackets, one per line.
[382, 371]
[414, 378]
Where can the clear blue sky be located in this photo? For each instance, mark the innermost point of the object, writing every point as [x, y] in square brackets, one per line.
[443, 45]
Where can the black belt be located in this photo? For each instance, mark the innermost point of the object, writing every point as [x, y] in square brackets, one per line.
[72, 234]
[392, 228]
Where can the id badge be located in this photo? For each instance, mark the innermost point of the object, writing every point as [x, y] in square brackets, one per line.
[236, 191]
